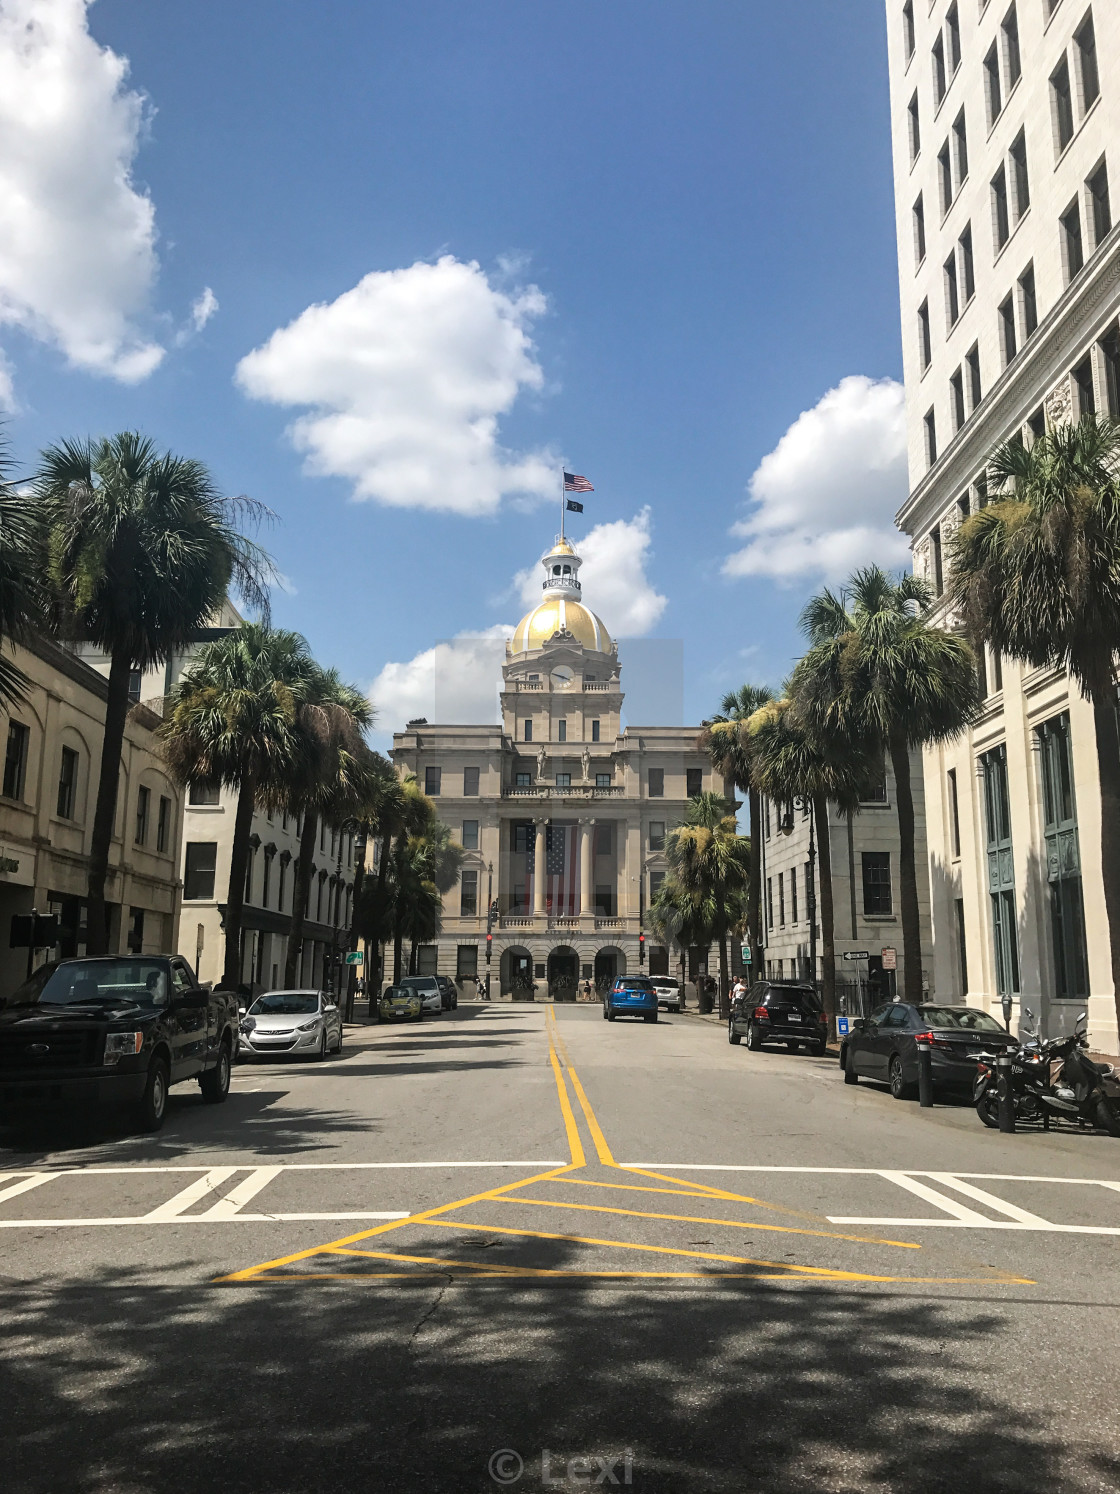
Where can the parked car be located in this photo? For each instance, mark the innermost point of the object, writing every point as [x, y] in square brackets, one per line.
[306, 1023]
[115, 1031]
[630, 996]
[775, 1011]
[449, 992]
[401, 1005]
[427, 988]
[668, 992]
[884, 1046]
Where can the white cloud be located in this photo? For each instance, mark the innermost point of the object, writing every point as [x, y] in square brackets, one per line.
[824, 499]
[204, 308]
[613, 575]
[456, 681]
[405, 376]
[77, 239]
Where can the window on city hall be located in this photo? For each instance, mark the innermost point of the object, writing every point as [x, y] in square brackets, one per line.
[470, 835]
[523, 780]
[468, 894]
[466, 962]
[602, 780]
[432, 778]
[876, 883]
[470, 783]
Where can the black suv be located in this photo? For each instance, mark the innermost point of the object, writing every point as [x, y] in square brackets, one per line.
[448, 992]
[772, 1011]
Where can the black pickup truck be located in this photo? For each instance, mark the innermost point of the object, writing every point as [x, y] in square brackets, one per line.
[115, 1031]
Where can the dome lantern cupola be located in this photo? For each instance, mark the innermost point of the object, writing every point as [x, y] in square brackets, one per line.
[561, 609]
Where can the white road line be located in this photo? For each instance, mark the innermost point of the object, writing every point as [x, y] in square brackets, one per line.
[25, 1186]
[246, 1190]
[996, 1177]
[939, 1200]
[157, 1219]
[283, 1166]
[989, 1200]
[191, 1194]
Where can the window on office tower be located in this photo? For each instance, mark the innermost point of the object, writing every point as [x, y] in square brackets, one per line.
[908, 37]
[1100, 207]
[972, 364]
[929, 426]
[952, 39]
[1007, 340]
[960, 150]
[993, 93]
[1073, 249]
[967, 265]
[937, 560]
[1020, 180]
[1001, 218]
[1083, 388]
[925, 342]
[937, 59]
[952, 294]
[1110, 359]
[1061, 105]
[919, 219]
[945, 177]
[1028, 302]
[1009, 43]
[914, 128]
[956, 399]
[1088, 74]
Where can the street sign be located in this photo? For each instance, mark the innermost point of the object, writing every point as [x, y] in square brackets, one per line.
[355, 957]
[745, 951]
[890, 959]
[841, 1026]
[857, 954]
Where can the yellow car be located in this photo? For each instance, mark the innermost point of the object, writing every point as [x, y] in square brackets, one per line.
[398, 1004]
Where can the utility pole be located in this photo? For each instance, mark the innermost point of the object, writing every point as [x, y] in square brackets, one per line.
[491, 919]
[811, 895]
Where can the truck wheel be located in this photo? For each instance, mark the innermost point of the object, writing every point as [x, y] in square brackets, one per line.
[214, 1084]
[152, 1106]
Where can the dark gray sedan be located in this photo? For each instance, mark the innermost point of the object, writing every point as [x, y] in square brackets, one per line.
[884, 1046]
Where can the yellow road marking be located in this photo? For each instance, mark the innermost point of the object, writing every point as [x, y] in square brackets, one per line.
[828, 1272]
[709, 1276]
[575, 1145]
[781, 1229]
[723, 1193]
[382, 1229]
[602, 1149]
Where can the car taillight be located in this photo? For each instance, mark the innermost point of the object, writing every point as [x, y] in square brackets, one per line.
[761, 1014]
[822, 1017]
[934, 1042]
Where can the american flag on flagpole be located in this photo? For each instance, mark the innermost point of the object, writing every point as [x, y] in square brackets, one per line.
[573, 483]
[561, 870]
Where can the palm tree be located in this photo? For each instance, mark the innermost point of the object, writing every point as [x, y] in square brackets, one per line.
[1036, 575]
[21, 569]
[677, 919]
[710, 863]
[233, 719]
[789, 762]
[333, 777]
[728, 748]
[879, 677]
[429, 867]
[142, 549]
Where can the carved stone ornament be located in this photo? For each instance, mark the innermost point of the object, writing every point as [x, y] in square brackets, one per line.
[1059, 404]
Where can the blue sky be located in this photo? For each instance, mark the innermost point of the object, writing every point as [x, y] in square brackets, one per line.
[680, 221]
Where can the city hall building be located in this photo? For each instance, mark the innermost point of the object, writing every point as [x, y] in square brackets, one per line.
[562, 813]
[1006, 136]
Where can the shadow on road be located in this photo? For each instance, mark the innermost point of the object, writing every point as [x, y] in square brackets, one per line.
[317, 1386]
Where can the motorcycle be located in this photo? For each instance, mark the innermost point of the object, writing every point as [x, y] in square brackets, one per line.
[1052, 1078]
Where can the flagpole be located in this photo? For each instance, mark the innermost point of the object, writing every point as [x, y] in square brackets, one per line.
[563, 503]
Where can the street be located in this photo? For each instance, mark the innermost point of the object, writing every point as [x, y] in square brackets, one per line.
[516, 1246]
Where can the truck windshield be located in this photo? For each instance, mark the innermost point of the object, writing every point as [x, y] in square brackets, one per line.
[102, 982]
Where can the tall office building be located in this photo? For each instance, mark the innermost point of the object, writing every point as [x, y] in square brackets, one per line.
[1006, 127]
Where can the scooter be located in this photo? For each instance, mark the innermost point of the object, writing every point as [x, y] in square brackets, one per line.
[1083, 1091]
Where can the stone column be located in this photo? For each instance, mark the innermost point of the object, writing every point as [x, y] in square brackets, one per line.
[587, 838]
[538, 871]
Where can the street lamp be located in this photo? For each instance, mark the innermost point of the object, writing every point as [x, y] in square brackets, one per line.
[491, 917]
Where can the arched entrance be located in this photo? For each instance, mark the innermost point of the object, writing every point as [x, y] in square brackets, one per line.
[563, 973]
[517, 973]
[609, 963]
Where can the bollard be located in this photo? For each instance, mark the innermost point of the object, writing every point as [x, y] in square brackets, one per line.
[1003, 1090]
[925, 1077]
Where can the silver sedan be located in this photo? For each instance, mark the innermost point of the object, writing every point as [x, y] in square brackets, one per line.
[306, 1023]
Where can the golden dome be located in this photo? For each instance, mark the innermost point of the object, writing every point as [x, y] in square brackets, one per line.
[561, 547]
[560, 614]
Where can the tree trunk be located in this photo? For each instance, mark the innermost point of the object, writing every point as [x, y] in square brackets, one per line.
[398, 943]
[235, 898]
[826, 908]
[1108, 768]
[359, 880]
[754, 891]
[301, 894]
[112, 742]
[724, 986]
[907, 872]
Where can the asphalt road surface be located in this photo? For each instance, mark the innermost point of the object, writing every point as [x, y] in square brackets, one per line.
[517, 1247]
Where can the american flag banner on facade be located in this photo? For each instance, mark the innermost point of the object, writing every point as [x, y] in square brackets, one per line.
[573, 483]
[561, 870]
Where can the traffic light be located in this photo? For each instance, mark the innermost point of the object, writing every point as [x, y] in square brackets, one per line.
[489, 946]
[491, 915]
[641, 949]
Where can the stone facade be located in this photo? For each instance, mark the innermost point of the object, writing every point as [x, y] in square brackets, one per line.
[1013, 266]
[51, 765]
[562, 811]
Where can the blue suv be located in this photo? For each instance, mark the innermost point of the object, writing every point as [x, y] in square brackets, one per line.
[630, 996]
